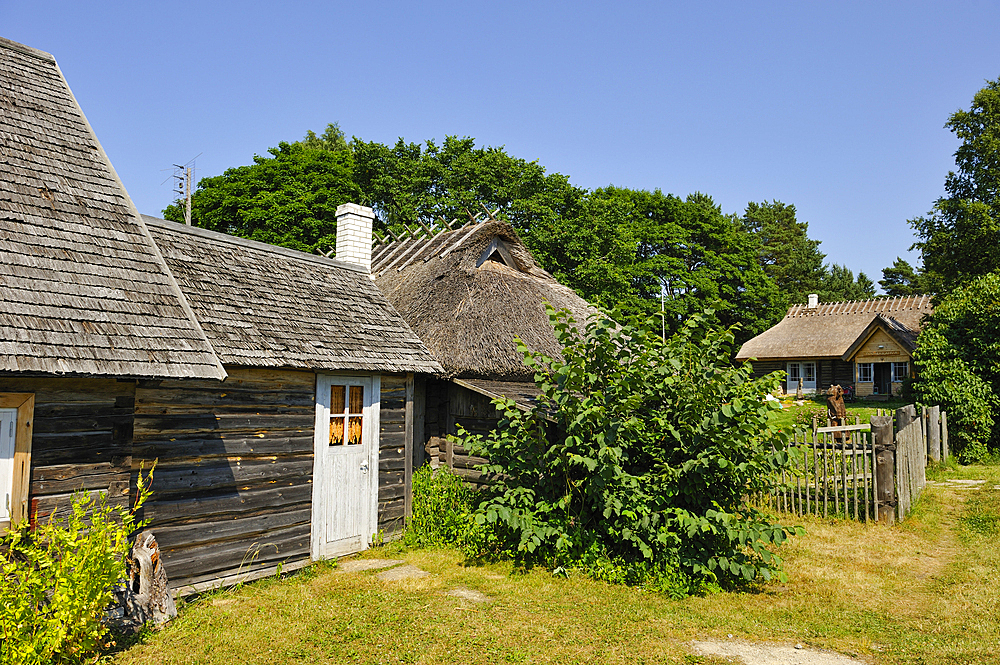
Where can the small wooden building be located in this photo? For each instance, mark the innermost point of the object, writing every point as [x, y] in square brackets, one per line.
[865, 344]
[467, 293]
[87, 304]
[113, 336]
[300, 453]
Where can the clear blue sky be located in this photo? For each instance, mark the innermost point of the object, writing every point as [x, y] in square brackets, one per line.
[837, 108]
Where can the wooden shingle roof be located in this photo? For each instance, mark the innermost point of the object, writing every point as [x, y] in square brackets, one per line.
[83, 290]
[831, 329]
[268, 306]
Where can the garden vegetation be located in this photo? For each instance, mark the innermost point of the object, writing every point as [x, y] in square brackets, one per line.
[636, 464]
[58, 580]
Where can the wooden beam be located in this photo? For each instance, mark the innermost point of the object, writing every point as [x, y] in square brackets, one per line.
[408, 449]
[843, 428]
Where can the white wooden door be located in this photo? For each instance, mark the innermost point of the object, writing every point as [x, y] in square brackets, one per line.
[8, 423]
[345, 471]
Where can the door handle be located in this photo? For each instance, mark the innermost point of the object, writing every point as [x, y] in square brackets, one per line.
[364, 467]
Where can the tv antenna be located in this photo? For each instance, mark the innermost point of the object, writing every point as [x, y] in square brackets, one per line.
[184, 176]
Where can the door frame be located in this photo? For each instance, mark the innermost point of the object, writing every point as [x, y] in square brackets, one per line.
[321, 435]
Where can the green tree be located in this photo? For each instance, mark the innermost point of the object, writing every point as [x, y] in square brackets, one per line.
[900, 279]
[332, 139]
[288, 199]
[959, 239]
[839, 284]
[634, 249]
[412, 182]
[958, 363]
[639, 449]
[787, 254]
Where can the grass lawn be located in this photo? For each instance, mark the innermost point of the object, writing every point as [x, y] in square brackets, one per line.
[922, 592]
[793, 414]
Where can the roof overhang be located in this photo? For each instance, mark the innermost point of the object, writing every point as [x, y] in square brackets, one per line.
[885, 325]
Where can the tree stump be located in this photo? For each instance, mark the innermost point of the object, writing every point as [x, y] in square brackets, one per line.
[145, 596]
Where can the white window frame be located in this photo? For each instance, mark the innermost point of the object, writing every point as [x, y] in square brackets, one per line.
[905, 366]
[796, 372]
[20, 479]
[870, 367]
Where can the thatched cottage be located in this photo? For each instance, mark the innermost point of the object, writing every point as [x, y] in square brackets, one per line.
[467, 293]
[866, 344]
[275, 388]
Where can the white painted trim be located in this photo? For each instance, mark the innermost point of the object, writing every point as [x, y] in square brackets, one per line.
[320, 498]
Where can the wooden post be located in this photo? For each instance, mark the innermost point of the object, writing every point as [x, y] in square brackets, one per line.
[408, 449]
[905, 416]
[885, 463]
[934, 432]
[419, 416]
[944, 436]
[923, 431]
[449, 453]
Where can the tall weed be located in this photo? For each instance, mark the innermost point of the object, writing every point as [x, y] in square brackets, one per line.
[57, 581]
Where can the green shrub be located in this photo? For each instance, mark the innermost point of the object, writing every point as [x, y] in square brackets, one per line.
[58, 581]
[640, 449]
[442, 509]
[958, 366]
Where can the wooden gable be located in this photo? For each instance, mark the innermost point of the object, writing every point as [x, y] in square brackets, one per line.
[880, 347]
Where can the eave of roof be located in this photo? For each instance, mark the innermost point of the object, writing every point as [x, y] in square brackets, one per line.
[267, 306]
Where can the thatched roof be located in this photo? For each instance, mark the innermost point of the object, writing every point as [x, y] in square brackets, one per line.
[831, 329]
[268, 306]
[83, 290]
[469, 292]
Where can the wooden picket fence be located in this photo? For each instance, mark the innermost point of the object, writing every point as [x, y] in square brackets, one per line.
[863, 471]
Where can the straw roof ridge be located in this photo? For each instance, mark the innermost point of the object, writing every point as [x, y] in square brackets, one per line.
[467, 307]
[268, 306]
[83, 289]
[830, 329]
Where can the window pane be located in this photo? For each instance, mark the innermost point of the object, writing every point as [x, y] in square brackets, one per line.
[357, 399]
[809, 369]
[337, 430]
[337, 399]
[793, 371]
[354, 431]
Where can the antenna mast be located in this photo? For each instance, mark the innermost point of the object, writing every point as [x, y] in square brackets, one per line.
[184, 175]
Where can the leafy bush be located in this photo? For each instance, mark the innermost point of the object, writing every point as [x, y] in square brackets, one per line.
[442, 509]
[639, 450]
[958, 366]
[58, 581]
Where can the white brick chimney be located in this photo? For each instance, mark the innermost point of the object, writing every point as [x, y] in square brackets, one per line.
[354, 234]
[813, 298]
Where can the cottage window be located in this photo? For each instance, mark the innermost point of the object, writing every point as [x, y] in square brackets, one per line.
[804, 372]
[865, 372]
[16, 412]
[900, 372]
[347, 405]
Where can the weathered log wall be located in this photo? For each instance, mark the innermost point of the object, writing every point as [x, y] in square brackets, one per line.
[392, 455]
[232, 488]
[81, 440]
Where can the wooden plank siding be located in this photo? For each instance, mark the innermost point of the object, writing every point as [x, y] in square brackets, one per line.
[81, 435]
[392, 455]
[828, 371]
[232, 488]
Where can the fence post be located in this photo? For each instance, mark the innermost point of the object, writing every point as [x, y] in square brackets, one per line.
[944, 436]
[449, 453]
[885, 464]
[934, 432]
[905, 416]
